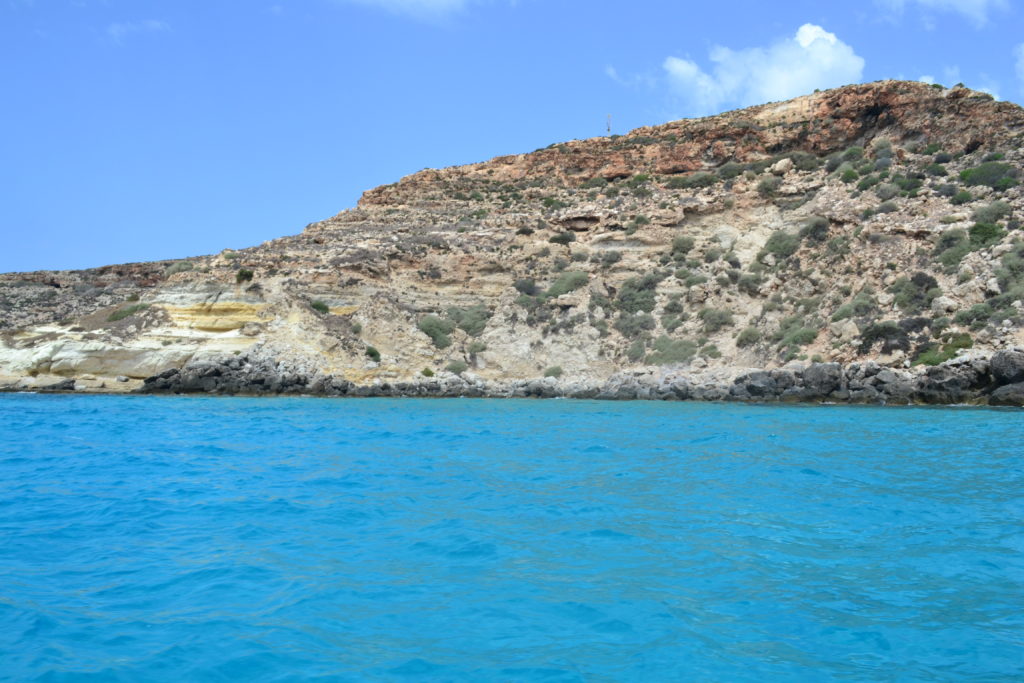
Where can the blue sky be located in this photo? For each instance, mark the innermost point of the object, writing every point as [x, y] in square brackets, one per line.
[145, 129]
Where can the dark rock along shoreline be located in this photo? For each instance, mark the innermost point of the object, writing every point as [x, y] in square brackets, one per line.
[998, 381]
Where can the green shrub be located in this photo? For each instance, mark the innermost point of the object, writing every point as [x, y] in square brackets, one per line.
[934, 354]
[991, 213]
[568, 281]
[636, 350]
[694, 280]
[994, 174]
[962, 197]
[668, 351]
[638, 293]
[373, 353]
[887, 207]
[849, 175]
[853, 154]
[470, 320]
[610, 258]
[781, 244]
[681, 246]
[633, 324]
[805, 161]
[769, 186]
[715, 319]
[976, 316]
[530, 303]
[892, 336]
[952, 246]
[793, 333]
[553, 203]
[887, 191]
[936, 170]
[915, 294]
[729, 170]
[748, 337]
[179, 267]
[356, 328]
[867, 182]
[477, 346]
[749, 283]
[671, 322]
[243, 275]
[909, 184]
[675, 304]
[861, 305]
[815, 229]
[564, 237]
[710, 351]
[949, 239]
[427, 372]
[437, 329]
[1011, 273]
[954, 255]
[553, 371]
[985, 234]
[526, 286]
[596, 183]
[694, 180]
[319, 307]
[457, 367]
[125, 312]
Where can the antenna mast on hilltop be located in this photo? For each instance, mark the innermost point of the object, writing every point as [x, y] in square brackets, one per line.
[609, 124]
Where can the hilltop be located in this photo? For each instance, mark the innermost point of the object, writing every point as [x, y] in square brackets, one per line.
[862, 243]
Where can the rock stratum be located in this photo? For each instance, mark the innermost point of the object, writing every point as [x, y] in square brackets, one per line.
[861, 244]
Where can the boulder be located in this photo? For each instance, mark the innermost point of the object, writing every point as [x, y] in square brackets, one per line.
[821, 379]
[1009, 395]
[63, 385]
[782, 166]
[754, 386]
[1008, 367]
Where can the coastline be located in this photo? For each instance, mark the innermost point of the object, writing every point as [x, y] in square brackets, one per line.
[997, 380]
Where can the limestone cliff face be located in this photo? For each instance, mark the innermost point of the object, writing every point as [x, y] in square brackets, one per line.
[874, 222]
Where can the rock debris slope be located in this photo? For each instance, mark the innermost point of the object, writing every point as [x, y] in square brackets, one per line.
[862, 243]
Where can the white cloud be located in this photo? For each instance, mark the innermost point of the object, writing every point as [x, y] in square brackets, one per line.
[813, 58]
[930, 80]
[120, 31]
[635, 81]
[975, 10]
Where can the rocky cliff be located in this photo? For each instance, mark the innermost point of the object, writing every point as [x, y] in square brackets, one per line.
[862, 243]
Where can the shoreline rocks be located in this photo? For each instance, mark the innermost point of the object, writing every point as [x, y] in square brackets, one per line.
[967, 380]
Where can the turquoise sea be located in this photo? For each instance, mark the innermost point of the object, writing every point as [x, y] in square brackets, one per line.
[224, 539]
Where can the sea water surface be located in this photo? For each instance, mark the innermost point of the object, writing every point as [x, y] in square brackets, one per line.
[220, 539]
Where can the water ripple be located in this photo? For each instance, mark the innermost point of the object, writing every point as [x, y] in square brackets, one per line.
[300, 539]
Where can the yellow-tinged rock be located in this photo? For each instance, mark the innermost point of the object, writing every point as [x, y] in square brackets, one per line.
[222, 316]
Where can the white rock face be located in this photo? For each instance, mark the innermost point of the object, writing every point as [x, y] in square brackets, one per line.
[943, 304]
[783, 166]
